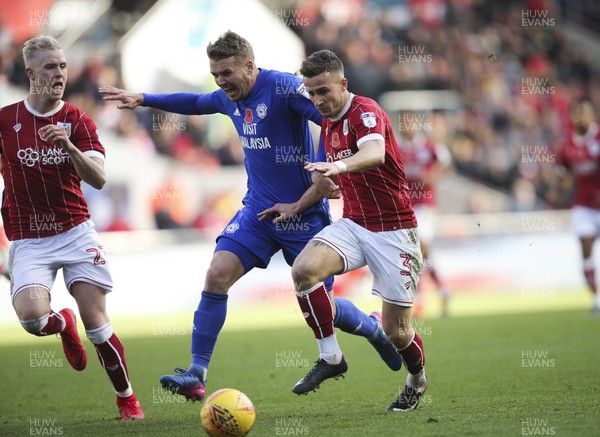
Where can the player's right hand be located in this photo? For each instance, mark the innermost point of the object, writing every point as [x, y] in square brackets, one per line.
[128, 100]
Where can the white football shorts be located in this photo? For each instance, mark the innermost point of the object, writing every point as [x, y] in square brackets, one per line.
[426, 222]
[585, 221]
[35, 261]
[394, 257]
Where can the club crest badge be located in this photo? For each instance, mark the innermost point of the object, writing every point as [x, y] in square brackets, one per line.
[232, 227]
[261, 110]
[66, 126]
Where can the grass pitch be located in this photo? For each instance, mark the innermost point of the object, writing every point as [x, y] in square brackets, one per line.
[519, 374]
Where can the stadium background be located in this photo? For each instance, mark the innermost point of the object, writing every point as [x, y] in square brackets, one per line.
[491, 80]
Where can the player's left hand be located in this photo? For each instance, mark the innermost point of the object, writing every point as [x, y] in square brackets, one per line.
[283, 212]
[325, 168]
[54, 134]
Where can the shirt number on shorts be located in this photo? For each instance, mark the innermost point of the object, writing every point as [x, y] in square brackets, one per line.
[98, 255]
[406, 263]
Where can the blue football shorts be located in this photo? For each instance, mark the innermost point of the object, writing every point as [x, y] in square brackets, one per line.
[255, 242]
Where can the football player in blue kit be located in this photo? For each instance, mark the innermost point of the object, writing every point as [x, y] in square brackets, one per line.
[270, 111]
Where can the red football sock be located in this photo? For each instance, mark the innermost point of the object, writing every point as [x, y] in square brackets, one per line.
[316, 308]
[413, 355]
[54, 325]
[590, 278]
[112, 358]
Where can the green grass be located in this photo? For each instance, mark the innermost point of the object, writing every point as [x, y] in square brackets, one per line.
[478, 386]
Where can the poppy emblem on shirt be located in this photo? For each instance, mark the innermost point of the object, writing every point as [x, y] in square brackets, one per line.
[249, 116]
[368, 119]
[335, 140]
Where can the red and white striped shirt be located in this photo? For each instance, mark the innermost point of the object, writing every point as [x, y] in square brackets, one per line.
[581, 155]
[420, 156]
[375, 199]
[42, 193]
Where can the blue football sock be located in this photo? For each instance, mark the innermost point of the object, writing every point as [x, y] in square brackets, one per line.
[208, 321]
[352, 320]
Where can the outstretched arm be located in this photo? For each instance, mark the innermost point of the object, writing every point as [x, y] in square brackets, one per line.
[179, 103]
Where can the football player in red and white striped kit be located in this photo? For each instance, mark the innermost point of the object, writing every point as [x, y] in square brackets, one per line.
[378, 227]
[424, 162]
[47, 147]
[580, 156]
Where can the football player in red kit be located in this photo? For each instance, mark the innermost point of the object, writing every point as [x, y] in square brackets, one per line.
[378, 228]
[580, 156]
[424, 162]
[47, 147]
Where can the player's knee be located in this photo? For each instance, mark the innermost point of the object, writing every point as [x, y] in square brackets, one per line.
[34, 325]
[218, 279]
[302, 273]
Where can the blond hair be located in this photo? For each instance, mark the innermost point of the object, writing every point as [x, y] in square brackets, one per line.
[37, 44]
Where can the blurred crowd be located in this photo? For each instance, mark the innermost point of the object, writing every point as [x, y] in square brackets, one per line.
[181, 138]
[509, 61]
[99, 64]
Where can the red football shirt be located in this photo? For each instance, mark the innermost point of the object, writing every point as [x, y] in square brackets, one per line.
[42, 193]
[420, 156]
[581, 155]
[375, 199]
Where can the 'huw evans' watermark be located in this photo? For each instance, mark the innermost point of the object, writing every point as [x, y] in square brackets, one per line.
[413, 54]
[537, 86]
[536, 18]
[539, 359]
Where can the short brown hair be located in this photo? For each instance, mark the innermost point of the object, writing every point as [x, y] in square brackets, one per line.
[323, 61]
[230, 44]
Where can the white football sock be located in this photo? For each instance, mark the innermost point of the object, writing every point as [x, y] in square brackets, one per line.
[329, 349]
[416, 380]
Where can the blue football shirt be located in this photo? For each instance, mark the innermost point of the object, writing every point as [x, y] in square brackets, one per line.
[272, 123]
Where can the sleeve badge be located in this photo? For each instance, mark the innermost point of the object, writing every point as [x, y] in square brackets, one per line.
[368, 119]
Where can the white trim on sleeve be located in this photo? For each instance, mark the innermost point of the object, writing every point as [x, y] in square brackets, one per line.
[370, 137]
[93, 154]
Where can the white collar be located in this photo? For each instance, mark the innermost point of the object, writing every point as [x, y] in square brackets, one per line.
[47, 114]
